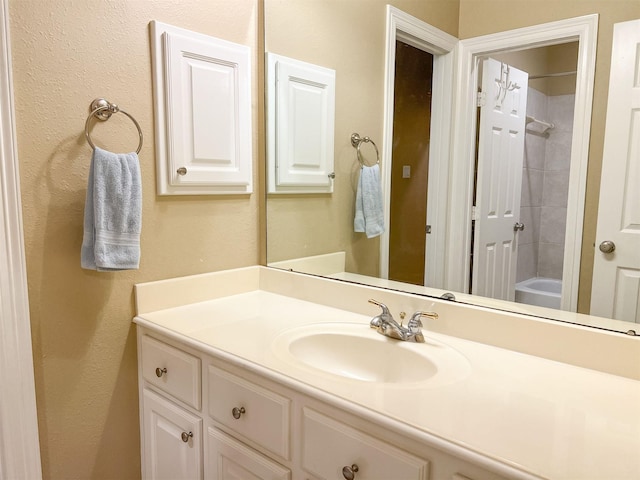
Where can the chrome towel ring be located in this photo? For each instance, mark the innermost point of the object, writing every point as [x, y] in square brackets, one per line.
[102, 110]
[357, 141]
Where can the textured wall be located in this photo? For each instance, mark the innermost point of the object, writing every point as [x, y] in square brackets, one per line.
[66, 53]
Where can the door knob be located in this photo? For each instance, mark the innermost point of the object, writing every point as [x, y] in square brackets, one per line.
[518, 226]
[607, 246]
[182, 171]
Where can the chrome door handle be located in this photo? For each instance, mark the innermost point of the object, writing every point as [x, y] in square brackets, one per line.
[607, 246]
[518, 226]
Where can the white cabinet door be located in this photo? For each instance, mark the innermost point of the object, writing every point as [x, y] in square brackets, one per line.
[616, 274]
[202, 94]
[300, 126]
[329, 447]
[172, 441]
[229, 459]
[500, 159]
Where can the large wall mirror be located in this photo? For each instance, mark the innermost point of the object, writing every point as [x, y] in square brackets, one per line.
[399, 82]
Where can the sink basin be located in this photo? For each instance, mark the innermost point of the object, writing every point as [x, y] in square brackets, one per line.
[357, 352]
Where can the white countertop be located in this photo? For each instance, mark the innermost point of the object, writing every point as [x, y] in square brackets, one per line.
[531, 414]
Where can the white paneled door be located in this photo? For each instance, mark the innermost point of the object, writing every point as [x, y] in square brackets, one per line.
[616, 269]
[503, 104]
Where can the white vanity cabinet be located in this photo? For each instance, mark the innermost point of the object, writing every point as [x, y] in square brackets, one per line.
[233, 437]
[170, 397]
[221, 421]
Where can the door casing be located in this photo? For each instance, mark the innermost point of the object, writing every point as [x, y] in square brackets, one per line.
[418, 34]
[19, 442]
[459, 210]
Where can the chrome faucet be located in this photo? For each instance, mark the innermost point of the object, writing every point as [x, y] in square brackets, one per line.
[385, 324]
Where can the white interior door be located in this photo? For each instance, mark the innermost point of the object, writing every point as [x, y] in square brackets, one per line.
[616, 275]
[499, 179]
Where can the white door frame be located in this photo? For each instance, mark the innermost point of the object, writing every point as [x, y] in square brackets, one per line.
[415, 32]
[581, 29]
[19, 446]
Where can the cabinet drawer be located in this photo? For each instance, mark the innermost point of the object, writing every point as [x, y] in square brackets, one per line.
[329, 446]
[263, 416]
[172, 440]
[231, 460]
[172, 370]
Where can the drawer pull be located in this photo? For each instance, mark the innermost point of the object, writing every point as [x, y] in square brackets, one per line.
[349, 473]
[237, 412]
[160, 372]
[186, 436]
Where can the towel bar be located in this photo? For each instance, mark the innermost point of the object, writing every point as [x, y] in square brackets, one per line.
[102, 110]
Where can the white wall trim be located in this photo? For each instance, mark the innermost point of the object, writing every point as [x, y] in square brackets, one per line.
[419, 34]
[582, 29]
[19, 445]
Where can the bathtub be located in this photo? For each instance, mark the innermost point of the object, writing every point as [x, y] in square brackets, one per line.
[540, 291]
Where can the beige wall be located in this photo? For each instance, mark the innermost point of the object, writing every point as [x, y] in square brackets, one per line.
[66, 53]
[480, 17]
[348, 36]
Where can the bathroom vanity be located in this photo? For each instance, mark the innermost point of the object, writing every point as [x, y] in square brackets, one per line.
[266, 374]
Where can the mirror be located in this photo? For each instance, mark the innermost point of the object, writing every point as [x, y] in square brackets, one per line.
[350, 38]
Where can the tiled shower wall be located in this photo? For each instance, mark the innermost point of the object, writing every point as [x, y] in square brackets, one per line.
[545, 186]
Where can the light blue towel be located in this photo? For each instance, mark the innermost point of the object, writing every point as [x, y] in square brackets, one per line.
[369, 217]
[112, 212]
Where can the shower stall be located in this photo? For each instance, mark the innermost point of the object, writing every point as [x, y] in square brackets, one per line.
[545, 187]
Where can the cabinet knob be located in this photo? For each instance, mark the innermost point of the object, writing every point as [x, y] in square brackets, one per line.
[182, 171]
[160, 371]
[349, 473]
[186, 436]
[238, 412]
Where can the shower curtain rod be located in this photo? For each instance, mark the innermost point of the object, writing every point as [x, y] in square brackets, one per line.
[548, 75]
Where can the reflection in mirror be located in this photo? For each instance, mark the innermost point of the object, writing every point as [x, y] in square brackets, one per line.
[314, 233]
[535, 180]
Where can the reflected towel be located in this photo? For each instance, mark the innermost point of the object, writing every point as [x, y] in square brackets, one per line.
[112, 212]
[369, 217]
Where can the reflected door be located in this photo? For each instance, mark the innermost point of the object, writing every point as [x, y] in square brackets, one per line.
[499, 179]
[616, 272]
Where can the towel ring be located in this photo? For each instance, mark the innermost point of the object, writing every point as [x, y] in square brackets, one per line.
[102, 110]
[357, 141]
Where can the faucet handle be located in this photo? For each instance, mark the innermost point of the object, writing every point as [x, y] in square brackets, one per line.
[384, 315]
[415, 324]
[380, 304]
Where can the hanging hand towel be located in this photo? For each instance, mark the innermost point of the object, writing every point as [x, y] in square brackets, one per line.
[369, 216]
[112, 213]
